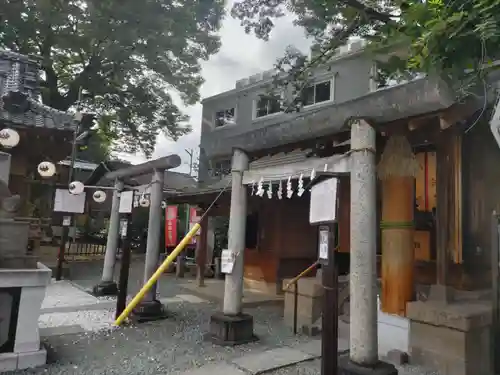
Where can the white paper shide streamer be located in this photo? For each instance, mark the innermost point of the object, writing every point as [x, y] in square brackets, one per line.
[260, 188]
[300, 188]
[270, 190]
[289, 190]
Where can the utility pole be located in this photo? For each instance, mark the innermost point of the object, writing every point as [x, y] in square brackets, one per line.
[190, 152]
[69, 220]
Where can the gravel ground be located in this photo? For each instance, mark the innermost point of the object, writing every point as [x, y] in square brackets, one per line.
[95, 321]
[164, 347]
[314, 368]
[167, 347]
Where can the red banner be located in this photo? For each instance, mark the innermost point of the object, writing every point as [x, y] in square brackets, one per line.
[171, 226]
[193, 219]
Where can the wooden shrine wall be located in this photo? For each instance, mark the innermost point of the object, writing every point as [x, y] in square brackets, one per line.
[425, 200]
[481, 196]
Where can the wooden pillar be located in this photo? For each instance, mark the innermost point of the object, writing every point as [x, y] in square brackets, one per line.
[397, 170]
[448, 210]
[201, 252]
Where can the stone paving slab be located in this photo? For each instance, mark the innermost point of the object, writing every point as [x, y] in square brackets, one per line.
[271, 359]
[214, 291]
[64, 294]
[221, 368]
[314, 347]
[61, 330]
[190, 298]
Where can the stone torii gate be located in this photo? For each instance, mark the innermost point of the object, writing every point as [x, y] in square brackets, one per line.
[150, 307]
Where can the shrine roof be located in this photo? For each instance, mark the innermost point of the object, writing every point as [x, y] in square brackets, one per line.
[20, 84]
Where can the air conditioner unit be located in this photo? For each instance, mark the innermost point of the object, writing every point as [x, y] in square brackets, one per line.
[268, 74]
[356, 45]
[255, 78]
[241, 83]
[343, 49]
[314, 51]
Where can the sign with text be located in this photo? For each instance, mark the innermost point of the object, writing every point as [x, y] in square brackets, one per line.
[227, 261]
[323, 205]
[123, 228]
[171, 226]
[193, 219]
[66, 221]
[64, 201]
[324, 234]
[126, 202]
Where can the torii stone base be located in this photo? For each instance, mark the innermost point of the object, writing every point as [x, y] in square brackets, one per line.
[347, 367]
[231, 330]
[147, 311]
[105, 288]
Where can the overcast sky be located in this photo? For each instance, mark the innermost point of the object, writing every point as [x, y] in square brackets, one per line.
[240, 56]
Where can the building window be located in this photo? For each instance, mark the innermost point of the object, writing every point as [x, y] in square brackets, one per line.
[318, 93]
[221, 168]
[265, 106]
[224, 117]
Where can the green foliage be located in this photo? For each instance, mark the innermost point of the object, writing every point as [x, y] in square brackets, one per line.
[125, 55]
[445, 37]
[96, 149]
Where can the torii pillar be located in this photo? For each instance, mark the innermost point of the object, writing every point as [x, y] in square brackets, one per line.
[363, 354]
[231, 326]
[150, 308]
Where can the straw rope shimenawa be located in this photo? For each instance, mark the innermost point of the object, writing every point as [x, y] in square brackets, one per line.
[398, 159]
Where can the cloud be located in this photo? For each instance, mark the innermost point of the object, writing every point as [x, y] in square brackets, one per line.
[240, 56]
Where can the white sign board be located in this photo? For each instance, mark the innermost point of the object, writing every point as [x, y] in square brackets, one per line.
[323, 206]
[227, 261]
[126, 202]
[64, 201]
[324, 233]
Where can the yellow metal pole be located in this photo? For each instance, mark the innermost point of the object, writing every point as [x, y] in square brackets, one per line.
[139, 296]
[301, 275]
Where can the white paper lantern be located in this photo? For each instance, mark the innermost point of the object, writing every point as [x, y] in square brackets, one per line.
[99, 196]
[76, 187]
[9, 138]
[46, 169]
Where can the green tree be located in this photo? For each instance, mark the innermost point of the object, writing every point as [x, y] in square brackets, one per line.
[96, 149]
[126, 56]
[444, 37]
